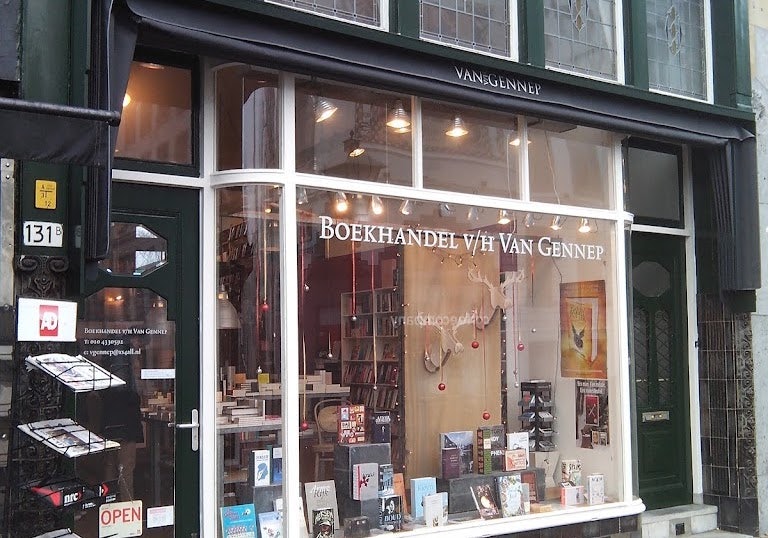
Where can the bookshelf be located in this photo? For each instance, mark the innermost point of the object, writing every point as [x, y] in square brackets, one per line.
[372, 355]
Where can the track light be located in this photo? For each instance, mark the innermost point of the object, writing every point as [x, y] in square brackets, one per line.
[584, 226]
[399, 118]
[406, 207]
[458, 128]
[352, 146]
[301, 196]
[445, 210]
[557, 222]
[340, 202]
[126, 100]
[324, 109]
[377, 206]
[504, 217]
[528, 220]
[473, 215]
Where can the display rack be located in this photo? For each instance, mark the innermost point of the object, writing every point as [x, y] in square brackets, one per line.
[372, 355]
[536, 414]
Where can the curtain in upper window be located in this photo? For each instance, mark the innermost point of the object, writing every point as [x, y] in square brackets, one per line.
[580, 36]
[676, 47]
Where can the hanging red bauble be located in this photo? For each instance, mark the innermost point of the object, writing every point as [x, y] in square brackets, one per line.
[441, 386]
[264, 306]
[475, 344]
[520, 346]
[486, 415]
[304, 426]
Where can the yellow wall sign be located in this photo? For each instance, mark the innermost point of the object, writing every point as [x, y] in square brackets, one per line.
[45, 194]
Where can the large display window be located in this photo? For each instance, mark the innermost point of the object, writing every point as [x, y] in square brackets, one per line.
[456, 353]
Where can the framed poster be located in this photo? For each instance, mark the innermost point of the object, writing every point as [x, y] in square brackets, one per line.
[582, 330]
[591, 413]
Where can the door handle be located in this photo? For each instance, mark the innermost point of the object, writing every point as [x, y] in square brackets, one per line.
[193, 426]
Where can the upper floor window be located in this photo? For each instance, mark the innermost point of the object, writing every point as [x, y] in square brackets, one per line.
[366, 12]
[481, 25]
[677, 47]
[580, 36]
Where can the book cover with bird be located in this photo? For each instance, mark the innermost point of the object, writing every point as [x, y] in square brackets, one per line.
[582, 329]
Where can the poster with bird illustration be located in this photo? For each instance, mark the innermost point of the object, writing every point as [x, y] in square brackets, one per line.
[582, 329]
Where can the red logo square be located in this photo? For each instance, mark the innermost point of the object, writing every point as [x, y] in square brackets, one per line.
[49, 320]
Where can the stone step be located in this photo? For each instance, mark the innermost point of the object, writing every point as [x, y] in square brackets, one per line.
[685, 520]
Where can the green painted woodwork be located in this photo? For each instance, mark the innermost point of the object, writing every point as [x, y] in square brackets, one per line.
[660, 371]
[730, 52]
[405, 18]
[531, 42]
[635, 44]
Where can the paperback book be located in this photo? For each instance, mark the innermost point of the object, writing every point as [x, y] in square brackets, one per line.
[381, 432]
[391, 513]
[436, 509]
[518, 451]
[365, 481]
[485, 502]
[277, 465]
[464, 441]
[490, 449]
[421, 487]
[271, 525]
[386, 479]
[239, 521]
[510, 488]
[450, 462]
[261, 460]
[321, 496]
[323, 522]
[570, 470]
[399, 483]
[75, 371]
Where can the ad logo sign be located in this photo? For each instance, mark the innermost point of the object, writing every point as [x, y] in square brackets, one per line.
[49, 320]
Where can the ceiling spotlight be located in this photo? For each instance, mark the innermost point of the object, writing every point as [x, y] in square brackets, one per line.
[528, 220]
[402, 130]
[514, 141]
[399, 118]
[557, 222]
[377, 206]
[458, 128]
[324, 109]
[301, 196]
[340, 202]
[473, 215]
[504, 217]
[406, 207]
[446, 210]
[352, 146]
[584, 226]
[126, 100]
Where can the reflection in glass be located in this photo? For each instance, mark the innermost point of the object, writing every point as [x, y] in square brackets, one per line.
[470, 150]
[156, 124]
[356, 141]
[135, 250]
[570, 165]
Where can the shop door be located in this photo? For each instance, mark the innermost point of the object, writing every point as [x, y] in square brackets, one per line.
[140, 320]
[661, 365]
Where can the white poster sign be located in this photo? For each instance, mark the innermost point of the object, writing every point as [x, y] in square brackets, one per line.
[43, 320]
[121, 520]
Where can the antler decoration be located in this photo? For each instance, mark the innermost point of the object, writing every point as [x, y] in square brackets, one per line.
[449, 341]
[501, 295]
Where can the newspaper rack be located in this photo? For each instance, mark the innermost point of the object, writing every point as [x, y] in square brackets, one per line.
[74, 371]
[67, 437]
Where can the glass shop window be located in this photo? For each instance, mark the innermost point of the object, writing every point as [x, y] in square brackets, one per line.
[569, 164]
[353, 132]
[248, 119]
[249, 398]
[157, 115]
[459, 350]
[470, 150]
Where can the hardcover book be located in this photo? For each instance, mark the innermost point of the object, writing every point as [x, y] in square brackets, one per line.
[450, 463]
[321, 496]
[490, 449]
[351, 424]
[323, 522]
[485, 502]
[570, 470]
[518, 451]
[436, 509]
[277, 465]
[365, 481]
[270, 525]
[391, 514]
[381, 432]
[464, 441]
[260, 467]
[510, 488]
[529, 478]
[238, 521]
[420, 487]
[386, 479]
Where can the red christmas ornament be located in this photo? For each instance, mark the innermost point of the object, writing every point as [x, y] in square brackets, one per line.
[486, 415]
[441, 386]
[520, 346]
[475, 344]
[264, 306]
[304, 426]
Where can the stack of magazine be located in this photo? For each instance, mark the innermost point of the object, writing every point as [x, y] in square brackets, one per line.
[75, 371]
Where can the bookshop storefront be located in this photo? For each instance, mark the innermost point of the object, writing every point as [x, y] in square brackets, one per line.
[414, 286]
